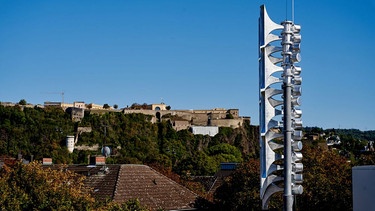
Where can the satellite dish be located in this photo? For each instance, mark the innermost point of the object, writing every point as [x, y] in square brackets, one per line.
[106, 151]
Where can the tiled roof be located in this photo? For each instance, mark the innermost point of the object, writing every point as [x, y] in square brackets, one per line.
[103, 181]
[129, 181]
[152, 189]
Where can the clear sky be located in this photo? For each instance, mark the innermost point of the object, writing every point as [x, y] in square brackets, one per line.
[190, 54]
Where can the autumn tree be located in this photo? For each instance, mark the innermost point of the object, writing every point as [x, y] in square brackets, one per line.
[327, 184]
[327, 181]
[131, 205]
[32, 187]
[240, 191]
[366, 158]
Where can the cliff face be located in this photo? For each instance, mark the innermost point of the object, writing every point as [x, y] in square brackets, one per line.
[246, 138]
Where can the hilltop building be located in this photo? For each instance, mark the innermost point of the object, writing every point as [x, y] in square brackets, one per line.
[185, 119]
[64, 106]
[200, 121]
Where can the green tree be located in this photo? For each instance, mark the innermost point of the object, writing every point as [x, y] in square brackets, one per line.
[22, 102]
[229, 116]
[106, 106]
[225, 153]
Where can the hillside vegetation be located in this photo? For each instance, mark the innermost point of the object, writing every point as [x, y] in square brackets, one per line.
[132, 138]
[38, 133]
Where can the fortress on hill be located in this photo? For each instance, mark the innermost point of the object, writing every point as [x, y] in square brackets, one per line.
[204, 122]
[185, 119]
[180, 119]
[198, 121]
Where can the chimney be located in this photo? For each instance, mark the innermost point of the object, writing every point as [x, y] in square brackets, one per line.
[97, 160]
[47, 161]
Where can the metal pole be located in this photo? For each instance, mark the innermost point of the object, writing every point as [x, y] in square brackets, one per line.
[287, 88]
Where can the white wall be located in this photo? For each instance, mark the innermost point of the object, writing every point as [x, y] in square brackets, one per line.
[205, 130]
[363, 182]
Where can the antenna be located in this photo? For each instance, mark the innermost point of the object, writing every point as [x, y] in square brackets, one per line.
[106, 151]
[286, 10]
[60, 93]
[105, 136]
[293, 11]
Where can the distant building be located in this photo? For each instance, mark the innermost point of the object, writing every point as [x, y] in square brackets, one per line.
[158, 107]
[205, 130]
[7, 104]
[183, 119]
[79, 105]
[77, 114]
[58, 104]
[93, 106]
[333, 140]
[369, 146]
[180, 119]
[70, 143]
[54, 104]
[181, 125]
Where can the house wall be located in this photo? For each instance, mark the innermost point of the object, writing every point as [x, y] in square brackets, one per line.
[79, 105]
[77, 114]
[160, 107]
[205, 130]
[181, 125]
[233, 123]
[363, 188]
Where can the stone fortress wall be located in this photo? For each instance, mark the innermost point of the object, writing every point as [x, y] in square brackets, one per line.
[184, 119]
[180, 119]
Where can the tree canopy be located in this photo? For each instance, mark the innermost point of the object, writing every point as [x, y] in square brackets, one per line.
[132, 138]
[34, 187]
[327, 185]
[31, 187]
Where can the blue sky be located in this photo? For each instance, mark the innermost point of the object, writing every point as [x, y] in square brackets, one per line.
[190, 54]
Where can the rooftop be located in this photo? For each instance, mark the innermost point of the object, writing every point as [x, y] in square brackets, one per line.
[129, 181]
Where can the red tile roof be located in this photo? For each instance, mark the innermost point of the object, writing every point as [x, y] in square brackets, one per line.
[129, 181]
[152, 189]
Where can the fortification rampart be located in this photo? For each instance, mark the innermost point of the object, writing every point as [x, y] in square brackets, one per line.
[233, 123]
[187, 118]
